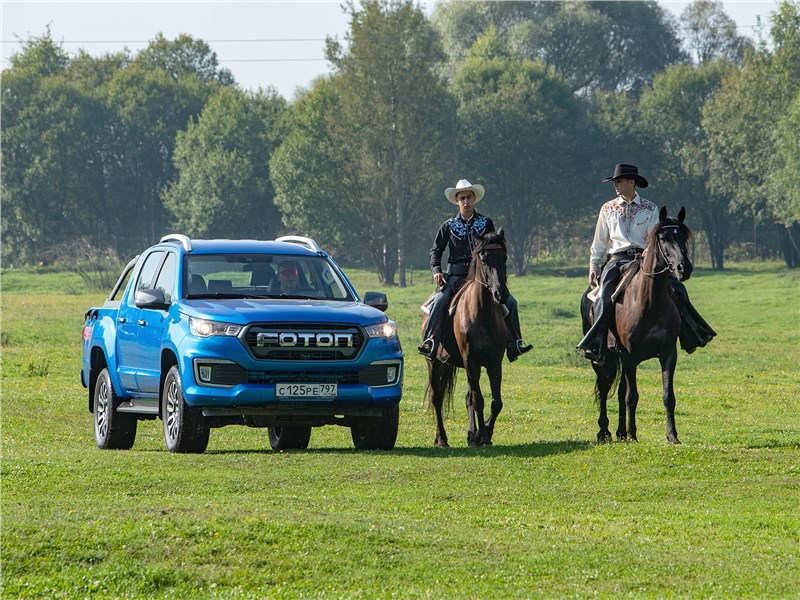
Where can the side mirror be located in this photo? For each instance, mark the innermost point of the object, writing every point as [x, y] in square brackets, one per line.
[377, 300]
[151, 298]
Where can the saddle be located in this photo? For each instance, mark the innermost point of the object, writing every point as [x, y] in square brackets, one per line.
[628, 271]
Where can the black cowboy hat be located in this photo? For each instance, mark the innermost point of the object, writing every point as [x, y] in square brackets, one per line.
[623, 171]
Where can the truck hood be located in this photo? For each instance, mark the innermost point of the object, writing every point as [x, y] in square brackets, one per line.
[242, 312]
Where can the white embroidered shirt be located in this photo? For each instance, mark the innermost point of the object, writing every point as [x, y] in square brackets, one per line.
[620, 226]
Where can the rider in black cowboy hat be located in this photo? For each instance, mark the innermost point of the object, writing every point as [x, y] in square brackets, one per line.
[458, 234]
[620, 237]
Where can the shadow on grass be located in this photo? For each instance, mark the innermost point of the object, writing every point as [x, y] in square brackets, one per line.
[535, 449]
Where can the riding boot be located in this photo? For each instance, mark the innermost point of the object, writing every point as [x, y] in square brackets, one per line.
[593, 343]
[515, 346]
[695, 332]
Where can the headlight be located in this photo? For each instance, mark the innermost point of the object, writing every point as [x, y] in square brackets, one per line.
[204, 328]
[386, 330]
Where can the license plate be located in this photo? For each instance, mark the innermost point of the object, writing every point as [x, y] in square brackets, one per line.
[306, 390]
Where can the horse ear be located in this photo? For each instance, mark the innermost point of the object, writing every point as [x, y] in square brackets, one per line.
[662, 215]
[501, 233]
[682, 214]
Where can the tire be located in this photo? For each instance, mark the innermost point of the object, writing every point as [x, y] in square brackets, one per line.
[377, 433]
[289, 438]
[112, 430]
[185, 428]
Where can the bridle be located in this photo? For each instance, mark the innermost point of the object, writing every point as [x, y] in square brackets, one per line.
[669, 266]
[482, 280]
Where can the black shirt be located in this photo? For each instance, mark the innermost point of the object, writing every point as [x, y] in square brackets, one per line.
[458, 235]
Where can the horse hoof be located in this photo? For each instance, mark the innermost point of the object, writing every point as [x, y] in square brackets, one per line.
[439, 443]
[673, 440]
[604, 437]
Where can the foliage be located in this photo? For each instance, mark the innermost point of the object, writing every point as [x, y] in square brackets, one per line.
[612, 46]
[744, 121]
[711, 34]
[223, 188]
[544, 513]
[519, 123]
[671, 112]
[388, 130]
[539, 99]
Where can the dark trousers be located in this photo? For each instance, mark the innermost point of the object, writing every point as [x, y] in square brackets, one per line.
[595, 338]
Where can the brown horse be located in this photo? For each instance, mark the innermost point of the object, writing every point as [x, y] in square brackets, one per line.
[645, 325]
[474, 337]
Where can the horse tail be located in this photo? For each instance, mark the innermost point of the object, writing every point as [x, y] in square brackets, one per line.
[608, 376]
[442, 377]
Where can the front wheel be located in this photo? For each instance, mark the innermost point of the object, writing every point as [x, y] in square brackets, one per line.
[289, 438]
[185, 428]
[112, 430]
[371, 433]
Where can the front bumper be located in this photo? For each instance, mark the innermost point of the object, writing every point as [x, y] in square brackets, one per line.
[249, 384]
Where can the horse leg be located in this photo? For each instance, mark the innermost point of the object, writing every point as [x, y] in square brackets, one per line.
[476, 434]
[437, 379]
[631, 399]
[495, 373]
[622, 394]
[668, 363]
[604, 379]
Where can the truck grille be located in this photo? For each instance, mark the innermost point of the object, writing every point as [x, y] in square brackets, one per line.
[304, 341]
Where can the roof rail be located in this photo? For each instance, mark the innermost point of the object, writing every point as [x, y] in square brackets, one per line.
[306, 242]
[183, 240]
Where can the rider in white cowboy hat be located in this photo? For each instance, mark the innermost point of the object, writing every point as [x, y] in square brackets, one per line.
[458, 234]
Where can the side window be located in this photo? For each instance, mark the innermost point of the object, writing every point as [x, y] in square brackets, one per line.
[147, 276]
[166, 279]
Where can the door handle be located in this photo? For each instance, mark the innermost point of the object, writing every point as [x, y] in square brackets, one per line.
[142, 322]
[121, 319]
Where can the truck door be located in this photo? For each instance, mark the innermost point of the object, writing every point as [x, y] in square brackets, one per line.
[152, 326]
[130, 356]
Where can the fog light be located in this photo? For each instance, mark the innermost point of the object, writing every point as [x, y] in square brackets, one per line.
[205, 373]
[391, 374]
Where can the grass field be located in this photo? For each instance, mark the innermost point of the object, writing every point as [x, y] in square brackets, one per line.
[545, 512]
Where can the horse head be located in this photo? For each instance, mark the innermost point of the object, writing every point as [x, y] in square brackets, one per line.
[667, 241]
[489, 264]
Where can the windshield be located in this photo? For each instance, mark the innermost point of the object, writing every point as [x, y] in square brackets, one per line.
[263, 276]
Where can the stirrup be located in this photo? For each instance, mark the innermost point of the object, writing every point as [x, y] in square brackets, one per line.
[427, 347]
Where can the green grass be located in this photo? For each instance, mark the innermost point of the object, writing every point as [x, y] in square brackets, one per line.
[545, 512]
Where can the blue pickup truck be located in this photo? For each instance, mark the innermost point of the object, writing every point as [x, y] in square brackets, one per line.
[208, 333]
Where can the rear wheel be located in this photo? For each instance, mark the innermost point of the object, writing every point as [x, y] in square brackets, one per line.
[377, 433]
[185, 428]
[289, 438]
[112, 430]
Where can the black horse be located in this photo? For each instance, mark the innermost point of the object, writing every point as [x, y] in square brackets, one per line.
[646, 323]
[475, 336]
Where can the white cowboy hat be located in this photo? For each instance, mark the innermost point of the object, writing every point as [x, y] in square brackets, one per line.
[462, 185]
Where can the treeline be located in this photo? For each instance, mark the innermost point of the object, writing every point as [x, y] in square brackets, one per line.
[535, 100]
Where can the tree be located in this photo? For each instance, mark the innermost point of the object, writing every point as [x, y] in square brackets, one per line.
[394, 117]
[671, 113]
[184, 56]
[711, 34]
[614, 46]
[223, 188]
[51, 160]
[742, 126]
[519, 126]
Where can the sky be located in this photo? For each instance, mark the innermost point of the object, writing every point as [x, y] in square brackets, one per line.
[263, 42]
